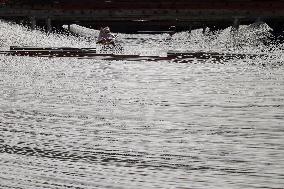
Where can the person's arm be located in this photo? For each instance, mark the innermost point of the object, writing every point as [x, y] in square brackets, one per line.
[110, 36]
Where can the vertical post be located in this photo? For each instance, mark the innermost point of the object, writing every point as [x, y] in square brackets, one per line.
[69, 27]
[235, 31]
[236, 24]
[21, 22]
[48, 25]
[189, 29]
[33, 22]
[204, 29]
[258, 20]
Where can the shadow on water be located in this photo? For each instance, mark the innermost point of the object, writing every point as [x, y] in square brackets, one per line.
[120, 159]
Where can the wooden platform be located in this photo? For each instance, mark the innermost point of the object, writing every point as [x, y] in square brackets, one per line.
[214, 55]
[75, 52]
[91, 53]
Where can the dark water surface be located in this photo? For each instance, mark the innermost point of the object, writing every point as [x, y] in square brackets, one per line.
[83, 123]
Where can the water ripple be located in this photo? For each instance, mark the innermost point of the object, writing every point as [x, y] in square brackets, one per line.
[84, 123]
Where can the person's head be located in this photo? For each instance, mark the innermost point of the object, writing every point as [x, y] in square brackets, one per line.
[107, 30]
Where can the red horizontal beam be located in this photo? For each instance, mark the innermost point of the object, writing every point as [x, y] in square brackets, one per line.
[3, 1]
[267, 5]
[232, 7]
[239, 5]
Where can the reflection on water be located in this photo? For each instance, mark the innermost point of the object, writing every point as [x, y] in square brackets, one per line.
[83, 123]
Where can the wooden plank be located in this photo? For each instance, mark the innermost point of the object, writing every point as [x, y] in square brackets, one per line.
[216, 55]
[28, 48]
[91, 53]
[69, 52]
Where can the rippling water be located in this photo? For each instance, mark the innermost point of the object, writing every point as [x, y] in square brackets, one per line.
[84, 123]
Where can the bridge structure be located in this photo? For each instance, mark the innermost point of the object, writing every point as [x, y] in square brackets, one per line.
[134, 16]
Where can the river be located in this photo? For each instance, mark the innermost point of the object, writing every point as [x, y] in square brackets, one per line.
[86, 123]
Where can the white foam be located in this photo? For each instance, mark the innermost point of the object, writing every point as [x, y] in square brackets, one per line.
[18, 35]
[252, 38]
